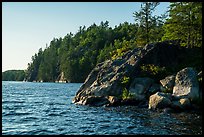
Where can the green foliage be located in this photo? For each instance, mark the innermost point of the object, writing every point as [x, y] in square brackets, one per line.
[13, 75]
[104, 53]
[150, 26]
[118, 53]
[77, 54]
[125, 80]
[153, 71]
[126, 94]
[200, 80]
[121, 48]
[184, 23]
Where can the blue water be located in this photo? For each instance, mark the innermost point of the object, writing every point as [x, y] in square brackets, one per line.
[46, 109]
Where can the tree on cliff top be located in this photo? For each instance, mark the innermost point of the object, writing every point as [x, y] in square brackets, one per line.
[148, 23]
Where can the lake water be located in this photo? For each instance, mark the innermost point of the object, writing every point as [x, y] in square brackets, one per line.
[47, 109]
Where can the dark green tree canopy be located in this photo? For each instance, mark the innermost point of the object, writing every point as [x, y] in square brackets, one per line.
[184, 23]
[75, 55]
[13, 75]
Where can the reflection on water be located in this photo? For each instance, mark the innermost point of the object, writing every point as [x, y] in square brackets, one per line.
[46, 109]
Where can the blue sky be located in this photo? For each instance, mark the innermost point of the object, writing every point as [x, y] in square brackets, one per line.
[28, 26]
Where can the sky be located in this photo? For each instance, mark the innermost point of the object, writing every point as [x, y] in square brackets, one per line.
[29, 26]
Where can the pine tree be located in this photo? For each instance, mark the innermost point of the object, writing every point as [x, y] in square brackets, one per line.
[145, 19]
[184, 23]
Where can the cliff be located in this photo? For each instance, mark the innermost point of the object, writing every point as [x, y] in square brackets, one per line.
[134, 77]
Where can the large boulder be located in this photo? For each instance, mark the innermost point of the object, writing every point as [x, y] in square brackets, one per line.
[186, 84]
[160, 100]
[139, 87]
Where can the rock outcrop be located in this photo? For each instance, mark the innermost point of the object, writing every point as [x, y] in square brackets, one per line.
[61, 78]
[106, 84]
[185, 91]
[160, 100]
[186, 84]
[105, 78]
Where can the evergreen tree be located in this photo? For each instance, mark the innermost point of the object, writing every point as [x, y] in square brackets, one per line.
[184, 23]
[145, 19]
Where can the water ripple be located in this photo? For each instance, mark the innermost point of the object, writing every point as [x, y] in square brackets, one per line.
[46, 109]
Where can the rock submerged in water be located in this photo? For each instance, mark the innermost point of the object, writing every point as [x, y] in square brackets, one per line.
[185, 91]
[99, 101]
[103, 86]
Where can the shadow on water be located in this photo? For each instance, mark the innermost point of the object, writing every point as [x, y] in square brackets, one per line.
[31, 109]
[158, 123]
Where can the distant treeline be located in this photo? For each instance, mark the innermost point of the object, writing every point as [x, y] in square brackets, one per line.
[75, 56]
[13, 75]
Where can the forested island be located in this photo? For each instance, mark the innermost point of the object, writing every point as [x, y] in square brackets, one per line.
[71, 58]
[13, 75]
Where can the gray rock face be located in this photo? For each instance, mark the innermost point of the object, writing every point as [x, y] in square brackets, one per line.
[186, 84]
[167, 83]
[159, 100]
[105, 78]
[139, 87]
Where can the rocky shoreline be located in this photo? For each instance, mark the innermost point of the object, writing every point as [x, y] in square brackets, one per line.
[155, 77]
